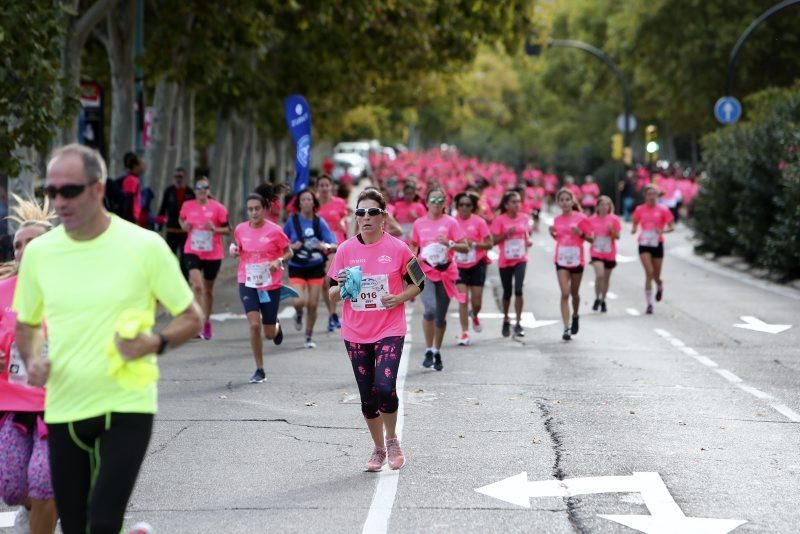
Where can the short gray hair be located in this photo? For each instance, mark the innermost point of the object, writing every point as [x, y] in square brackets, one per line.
[93, 164]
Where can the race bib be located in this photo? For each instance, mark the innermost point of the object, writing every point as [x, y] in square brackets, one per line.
[569, 256]
[202, 240]
[435, 254]
[587, 199]
[257, 275]
[373, 287]
[467, 257]
[514, 248]
[650, 238]
[17, 373]
[602, 244]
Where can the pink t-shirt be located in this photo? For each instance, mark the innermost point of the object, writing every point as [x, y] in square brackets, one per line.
[569, 246]
[425, 235]
[202, 242]
[131, 185]
[589, 194]
[333, 212]
[383, 266]
[604, 246]
[513, 249]
[533, 198]
[13, 397]
[407, 213]
[257, 247]
[476, 230]
[653, 220]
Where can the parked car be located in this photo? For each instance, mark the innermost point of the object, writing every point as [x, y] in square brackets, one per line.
[351, 163]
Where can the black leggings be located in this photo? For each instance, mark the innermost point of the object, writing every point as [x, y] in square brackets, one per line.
[375, 366]
[515, 273]
[94, 464]
[435, 302]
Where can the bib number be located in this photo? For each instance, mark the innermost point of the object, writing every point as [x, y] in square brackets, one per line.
[467, 257]
[569, 256]
[602, 244]
[257, 275]
[17, 373]
[650, 238]
[373, 287]
[202, 240]
[435, 254]
[514, 249]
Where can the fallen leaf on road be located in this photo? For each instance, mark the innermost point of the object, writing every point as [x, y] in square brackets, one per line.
[223, 396]
[461, 435]
[419, 390]
[702, 449]
[477, 403]
[311, 404]
[536, 440]
[759, 414]
[632, 412]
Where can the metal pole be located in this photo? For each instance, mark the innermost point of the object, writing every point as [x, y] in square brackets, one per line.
[596, 52]
[745, 36]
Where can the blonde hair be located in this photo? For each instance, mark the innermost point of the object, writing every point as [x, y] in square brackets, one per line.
[27, 213]
[606, 198]
[565, 191]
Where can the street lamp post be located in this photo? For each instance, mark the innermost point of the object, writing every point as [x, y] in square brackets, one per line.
[535, 49]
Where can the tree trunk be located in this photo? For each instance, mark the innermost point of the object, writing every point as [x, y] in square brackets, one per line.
[121, 24]
[695, 152]
[160, 130]
[174, 145]
[233, 186]
[186, 139]
[219, 154]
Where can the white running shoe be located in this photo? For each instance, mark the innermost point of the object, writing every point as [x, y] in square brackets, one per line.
[309, 344]
[463, 339]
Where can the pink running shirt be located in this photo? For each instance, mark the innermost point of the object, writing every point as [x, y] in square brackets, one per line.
[569, 246]
[333, 212]
[652, 220]
[476, 230]
[425, 235]
[604, 247]
[201, 241]
[257, 247]
[514, 249]
[383, 266]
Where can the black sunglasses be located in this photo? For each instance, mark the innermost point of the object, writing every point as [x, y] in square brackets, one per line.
[372, 212]
[66, 191]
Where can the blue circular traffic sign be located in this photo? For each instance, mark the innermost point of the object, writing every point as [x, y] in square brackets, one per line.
[728, 110]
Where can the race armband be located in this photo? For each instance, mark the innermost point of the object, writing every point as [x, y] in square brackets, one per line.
[415, 272]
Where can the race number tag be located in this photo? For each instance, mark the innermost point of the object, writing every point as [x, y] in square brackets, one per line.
[202, 240]
[650, 238]
[602, 244]
[467, 257]
[257, 275]
[17, 374]
[514, 248]
[373, 287]
[435, 254]
[569, 256]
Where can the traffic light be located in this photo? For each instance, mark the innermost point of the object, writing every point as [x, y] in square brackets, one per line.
[616, 146]
[651, 142]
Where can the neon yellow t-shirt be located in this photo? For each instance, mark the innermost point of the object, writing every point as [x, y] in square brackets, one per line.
[82, 287]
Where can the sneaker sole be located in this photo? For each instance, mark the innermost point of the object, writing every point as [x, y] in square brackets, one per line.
[399, 466]
[258, 381]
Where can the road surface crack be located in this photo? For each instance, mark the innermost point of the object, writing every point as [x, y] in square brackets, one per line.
[167, 443]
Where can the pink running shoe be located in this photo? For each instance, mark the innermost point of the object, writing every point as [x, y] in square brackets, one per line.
[141, 528]
[375, 462]
[396, 457]
[207, 332]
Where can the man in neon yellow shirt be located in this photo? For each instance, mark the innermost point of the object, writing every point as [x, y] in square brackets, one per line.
[96, 279]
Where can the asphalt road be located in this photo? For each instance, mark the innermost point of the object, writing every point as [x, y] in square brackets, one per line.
[709, 409]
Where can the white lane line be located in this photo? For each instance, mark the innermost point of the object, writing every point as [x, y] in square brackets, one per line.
[633, 311]
[380, 510]
[611, 295]
[7, 519]
[729, 376]
[788, 412]
[286, 313]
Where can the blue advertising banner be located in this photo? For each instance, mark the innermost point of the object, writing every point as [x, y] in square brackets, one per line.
[298, 118]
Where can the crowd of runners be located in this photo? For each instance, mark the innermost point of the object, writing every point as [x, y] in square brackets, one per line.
[428, 226]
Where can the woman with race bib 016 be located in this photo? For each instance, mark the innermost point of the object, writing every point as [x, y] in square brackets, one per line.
[654, 220]
[570, 230]
[436, 238]
[510, 230]
[263, 249]
[206, 221]
[472, 264]
[374, 321]
[605, 229]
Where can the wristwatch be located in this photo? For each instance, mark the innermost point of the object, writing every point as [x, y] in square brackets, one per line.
[162, 346]
[451, 244]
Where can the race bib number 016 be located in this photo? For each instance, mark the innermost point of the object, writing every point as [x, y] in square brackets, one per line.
[373, 287]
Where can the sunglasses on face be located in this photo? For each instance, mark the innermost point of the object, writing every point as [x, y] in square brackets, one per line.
[372, 212]
[439, 200]
[201, 187]
[66, 191]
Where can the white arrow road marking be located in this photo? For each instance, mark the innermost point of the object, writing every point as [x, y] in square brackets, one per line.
[7, 519]
[527, 319]
[665, 515]
[754, 323]
[226, 316]
[625, 259]
[633, 311]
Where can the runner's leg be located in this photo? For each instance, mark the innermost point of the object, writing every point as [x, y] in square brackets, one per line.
[563, 283]
[440, 323]
[254, 322]
[463, 308]
[519, 281]
[312, 305]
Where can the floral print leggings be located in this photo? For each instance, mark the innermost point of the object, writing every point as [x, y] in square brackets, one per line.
[24, 469]
[375, 366]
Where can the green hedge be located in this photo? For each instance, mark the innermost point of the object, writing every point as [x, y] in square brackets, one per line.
[749, 202]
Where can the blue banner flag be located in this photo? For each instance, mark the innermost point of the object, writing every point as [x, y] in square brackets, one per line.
[298, 118]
